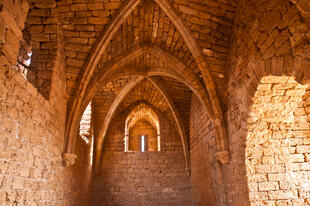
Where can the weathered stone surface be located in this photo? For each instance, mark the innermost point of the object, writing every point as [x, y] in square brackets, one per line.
[256, 53]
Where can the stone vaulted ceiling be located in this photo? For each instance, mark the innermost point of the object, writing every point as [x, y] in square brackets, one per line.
[165, 62]
[82, 23]
[109, 46]
[163, 94]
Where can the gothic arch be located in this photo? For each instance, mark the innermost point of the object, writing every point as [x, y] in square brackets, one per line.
[178, 119]
[115, 70]
[191, 43]
[117, 102]
[89, 68]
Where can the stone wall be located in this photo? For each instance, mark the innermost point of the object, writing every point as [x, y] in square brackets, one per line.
[277, 147]
[270, 38]
[32, 129]
[149, 178]
[267, 111]
[206, 172]
[44, 37]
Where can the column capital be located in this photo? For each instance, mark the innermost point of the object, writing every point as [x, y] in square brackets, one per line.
[69, 159]
[223, 156]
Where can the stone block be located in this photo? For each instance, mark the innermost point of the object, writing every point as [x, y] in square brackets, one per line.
[283, 194]
[112, 5]
[51, 29]
[303, 149]
[95, 6]
[39, 12]
[98, 20]
[268, 186]
[78, 7]
[101, 13]
[40, 37]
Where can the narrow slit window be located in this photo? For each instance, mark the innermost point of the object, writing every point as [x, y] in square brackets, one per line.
[27, 62]
[142, 144]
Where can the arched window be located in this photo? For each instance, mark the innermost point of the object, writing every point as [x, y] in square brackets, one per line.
[38, 55]
[25, 53]
[85, 124]
[143, 137]
[142, 130]
[86, 132]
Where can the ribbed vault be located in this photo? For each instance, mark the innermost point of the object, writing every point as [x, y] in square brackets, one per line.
[151, 91]
[113, 30]
[217, 79]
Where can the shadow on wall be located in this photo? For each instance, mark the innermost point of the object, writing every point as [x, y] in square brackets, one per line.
[206, 171]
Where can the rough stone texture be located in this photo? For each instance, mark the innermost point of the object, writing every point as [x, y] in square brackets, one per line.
[104, 99]
[256, 52]
[81, 23]
[211, 23]
[277, 144]
[42, 26]
[31, 131]
[13, 17]
[148, 24]
[32, 171]
[269, 39]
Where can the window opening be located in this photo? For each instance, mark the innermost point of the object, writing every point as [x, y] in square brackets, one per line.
[85, 124]
[158, 142]
[142, 130]
[92, 150]
[142, 143]
[25, 54]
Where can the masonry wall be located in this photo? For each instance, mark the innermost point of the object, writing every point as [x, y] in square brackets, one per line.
[277, 145]
[32, 128]
[206, 172]
[269, 39]
[149, 178]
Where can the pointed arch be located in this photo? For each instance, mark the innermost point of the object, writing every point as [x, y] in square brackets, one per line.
[142, 111]
[107, 120]
[139, 113]
[139, 76]
[215, 112]
[192, 44]
[177, 118]
[176, 115]
[89, 68]
[175, 68]
[114, 69]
